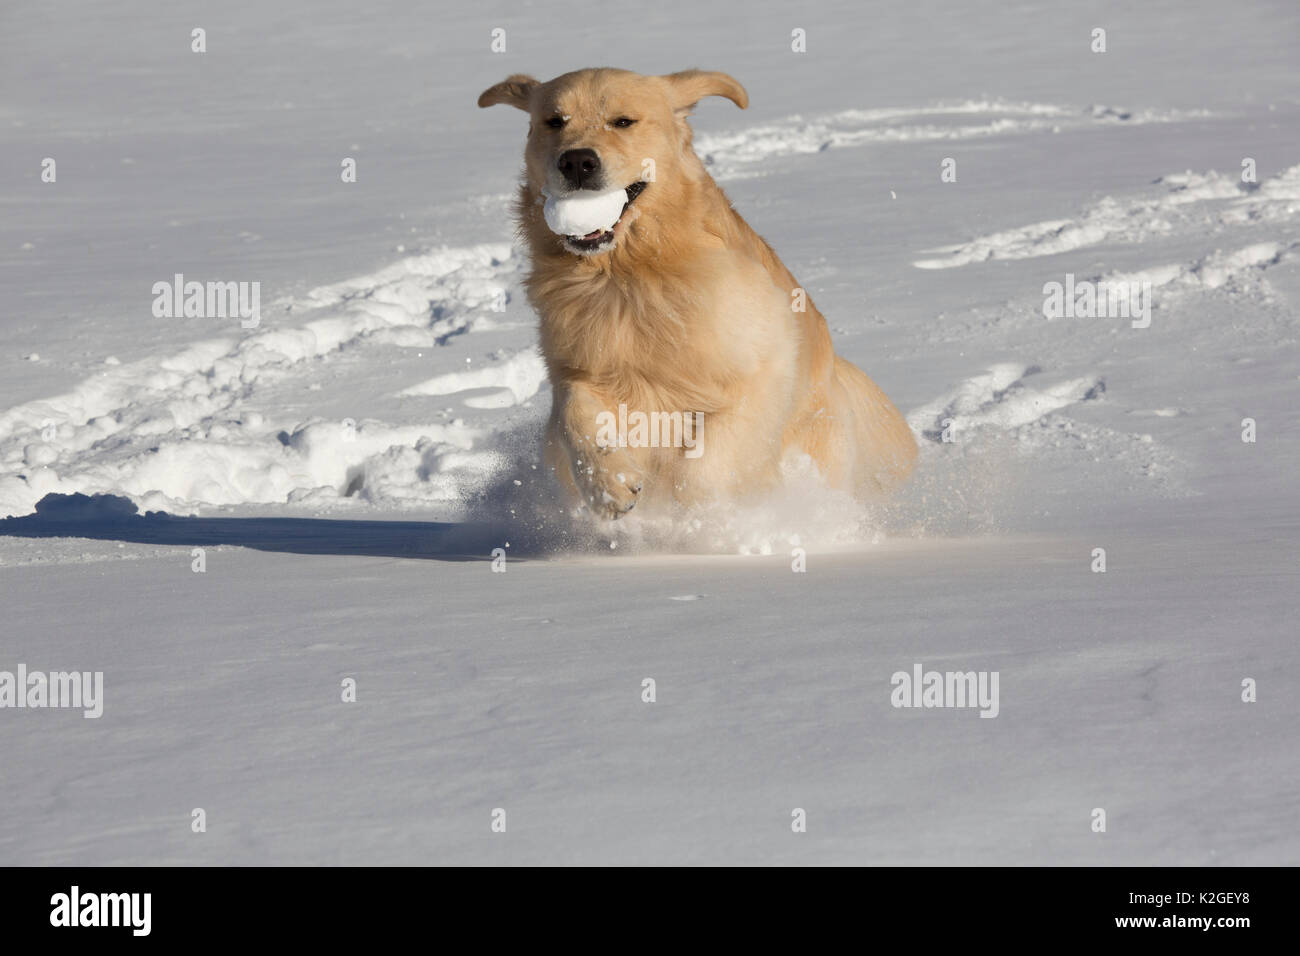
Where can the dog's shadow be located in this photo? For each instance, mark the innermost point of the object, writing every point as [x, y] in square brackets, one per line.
[115, 518]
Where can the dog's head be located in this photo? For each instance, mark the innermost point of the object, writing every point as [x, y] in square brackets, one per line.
[601, 130]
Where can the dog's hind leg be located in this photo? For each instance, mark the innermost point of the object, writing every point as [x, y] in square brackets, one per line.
[884, 446]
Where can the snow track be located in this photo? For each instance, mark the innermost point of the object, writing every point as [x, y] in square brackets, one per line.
[1001, 399]
[739, 154]
[174, 433]
[1206, 203]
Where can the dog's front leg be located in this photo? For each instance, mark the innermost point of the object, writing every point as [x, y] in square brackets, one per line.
[583, 446]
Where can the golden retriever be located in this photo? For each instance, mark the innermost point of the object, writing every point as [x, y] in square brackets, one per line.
[678, 314]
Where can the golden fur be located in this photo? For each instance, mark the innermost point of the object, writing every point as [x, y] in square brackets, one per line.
[689, 310]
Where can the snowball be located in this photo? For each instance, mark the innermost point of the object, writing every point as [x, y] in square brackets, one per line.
[584, 212]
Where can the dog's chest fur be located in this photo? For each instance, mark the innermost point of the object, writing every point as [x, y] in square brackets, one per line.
[648, 339]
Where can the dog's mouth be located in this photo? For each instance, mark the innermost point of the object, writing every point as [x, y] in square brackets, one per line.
[599, 240]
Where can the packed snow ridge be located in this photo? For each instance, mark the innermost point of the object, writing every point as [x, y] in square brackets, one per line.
[175, 432]
[737, 154]
[1203, 202]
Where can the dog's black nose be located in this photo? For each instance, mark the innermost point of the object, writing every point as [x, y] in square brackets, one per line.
[581, 168]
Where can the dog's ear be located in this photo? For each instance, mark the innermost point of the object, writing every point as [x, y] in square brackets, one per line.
[514, 91]
[690, 86]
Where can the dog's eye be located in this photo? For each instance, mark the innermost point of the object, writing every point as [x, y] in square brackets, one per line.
[623, 122]
[556, 122]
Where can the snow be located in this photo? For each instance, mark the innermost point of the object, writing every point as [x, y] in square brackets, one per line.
[1208, 202]
[521, 375]
[348, 468]
[730, 154]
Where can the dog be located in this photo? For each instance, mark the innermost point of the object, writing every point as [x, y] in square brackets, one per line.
[679, 312]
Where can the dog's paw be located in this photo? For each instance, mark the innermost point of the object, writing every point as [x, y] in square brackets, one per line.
[610, 485]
